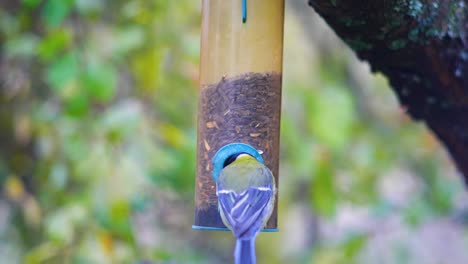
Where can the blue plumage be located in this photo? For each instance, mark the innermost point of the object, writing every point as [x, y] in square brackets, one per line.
[245, 251]
[246, 194]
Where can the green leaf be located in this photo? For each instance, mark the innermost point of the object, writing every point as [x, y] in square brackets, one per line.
[54, 43]
[332, 116]
[116, 218]
[323, 193]
[353, 246]
[100, 81]
[77, 105]
[162, 255]
[55, 11]
[146, 69]
[439, 193]
[42, 252]
[31, 3]
[62, 71]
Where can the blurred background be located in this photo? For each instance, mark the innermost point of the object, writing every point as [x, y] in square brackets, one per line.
[97, 158]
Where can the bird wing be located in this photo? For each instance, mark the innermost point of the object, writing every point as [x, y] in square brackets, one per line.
[245, 211]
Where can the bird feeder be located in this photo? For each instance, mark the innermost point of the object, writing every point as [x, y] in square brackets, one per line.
[240, 94]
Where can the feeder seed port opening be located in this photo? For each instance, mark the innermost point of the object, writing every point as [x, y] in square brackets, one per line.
[239, 98]
[232, 149]
[218, 164]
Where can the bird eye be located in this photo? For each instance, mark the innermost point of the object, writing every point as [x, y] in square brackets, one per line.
[229, 160]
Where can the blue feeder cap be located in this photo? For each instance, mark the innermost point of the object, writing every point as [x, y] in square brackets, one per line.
[232, 149]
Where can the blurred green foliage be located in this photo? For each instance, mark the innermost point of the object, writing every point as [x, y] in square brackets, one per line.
[98, 111]
[109, 85]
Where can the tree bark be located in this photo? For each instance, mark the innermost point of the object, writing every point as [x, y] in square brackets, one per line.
[422, 47]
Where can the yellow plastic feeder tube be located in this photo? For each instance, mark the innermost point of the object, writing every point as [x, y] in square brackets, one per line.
[240, 92]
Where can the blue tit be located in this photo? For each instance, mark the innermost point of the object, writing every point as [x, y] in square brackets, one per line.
[246, 196]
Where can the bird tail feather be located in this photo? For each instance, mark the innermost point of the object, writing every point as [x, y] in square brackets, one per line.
[245, 251]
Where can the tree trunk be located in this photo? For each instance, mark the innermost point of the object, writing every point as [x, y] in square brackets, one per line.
[422, 47]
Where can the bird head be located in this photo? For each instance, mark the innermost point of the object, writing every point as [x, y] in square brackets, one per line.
[239, 157]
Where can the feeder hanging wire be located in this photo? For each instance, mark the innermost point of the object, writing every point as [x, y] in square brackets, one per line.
[244, 11]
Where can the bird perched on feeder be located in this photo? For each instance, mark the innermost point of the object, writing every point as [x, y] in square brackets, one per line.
[246, 196]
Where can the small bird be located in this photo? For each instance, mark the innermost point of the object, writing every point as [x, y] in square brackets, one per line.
[246, 196]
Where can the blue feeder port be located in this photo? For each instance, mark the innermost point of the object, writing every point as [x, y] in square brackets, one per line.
[218, 164]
